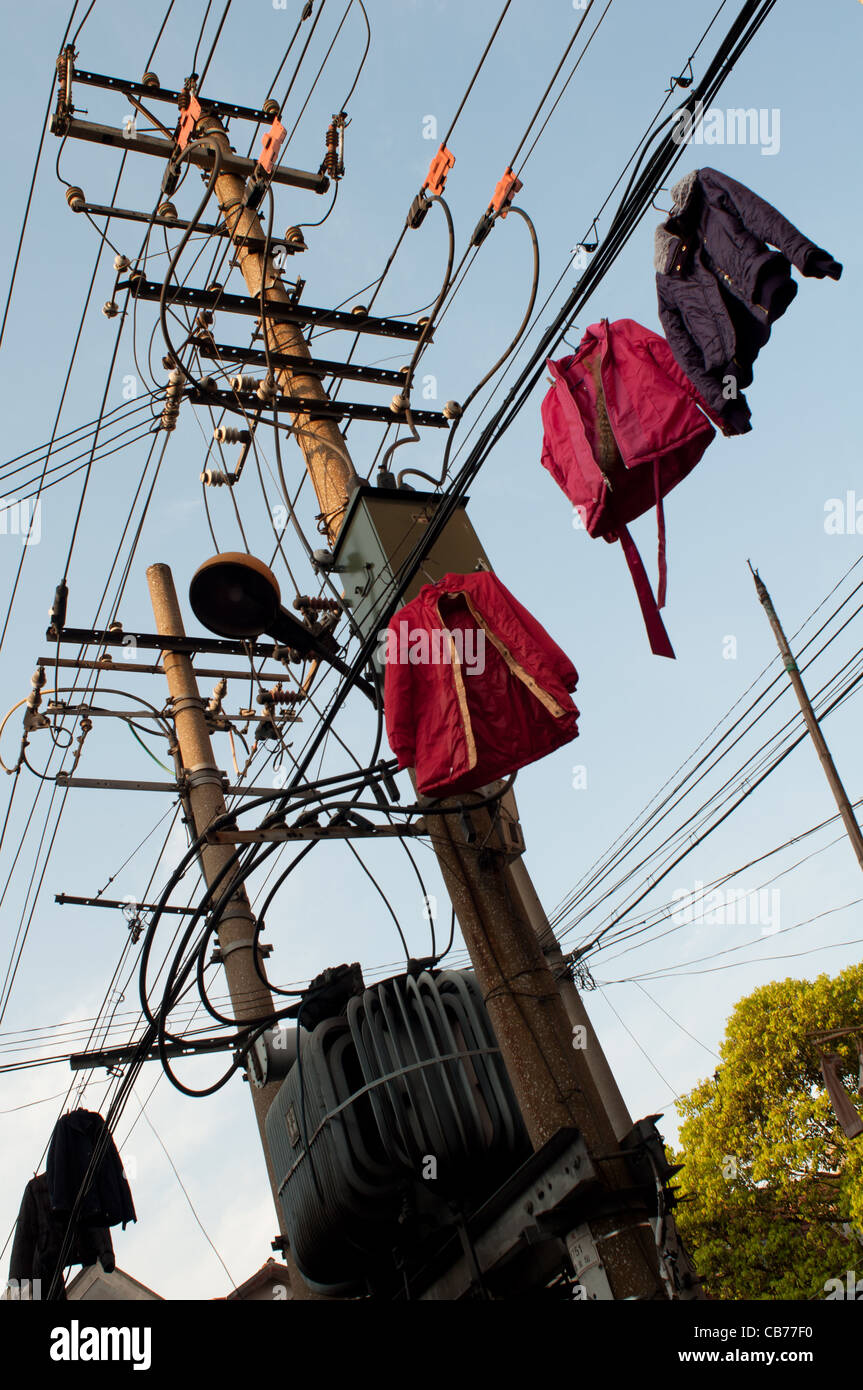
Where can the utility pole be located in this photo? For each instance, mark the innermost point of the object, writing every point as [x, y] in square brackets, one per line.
[329, 465]
[551, 1078]
[846, 810]
[251, 999]
[603, 1077]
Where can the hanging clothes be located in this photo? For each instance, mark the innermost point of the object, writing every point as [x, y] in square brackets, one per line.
[474, 687]
[623, 426]
[720, 287]
[39, 1235]
[832, 1066]
[108, 1200]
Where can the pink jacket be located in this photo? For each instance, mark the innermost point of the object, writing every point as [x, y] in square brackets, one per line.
[657, 424]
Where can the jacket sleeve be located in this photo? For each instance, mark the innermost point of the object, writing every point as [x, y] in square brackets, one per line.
[769, 224]
[732, 415]
[23, 1259]
[95, 1243]
[398, 702]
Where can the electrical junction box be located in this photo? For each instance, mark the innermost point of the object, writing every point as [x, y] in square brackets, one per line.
[382, 526]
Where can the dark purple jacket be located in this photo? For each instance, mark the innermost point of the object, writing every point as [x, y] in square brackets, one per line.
[108, 1200]
[39, 1237]
[720, 287]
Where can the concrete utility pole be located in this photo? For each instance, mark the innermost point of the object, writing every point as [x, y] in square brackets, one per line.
[251, 999]
[603, 1077]
[552, 1079]
[846, 810]
[330, 469]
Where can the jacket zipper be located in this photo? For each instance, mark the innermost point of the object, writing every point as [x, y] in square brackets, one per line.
[545, 699]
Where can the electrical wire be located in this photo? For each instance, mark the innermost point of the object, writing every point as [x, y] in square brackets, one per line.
[30, 191]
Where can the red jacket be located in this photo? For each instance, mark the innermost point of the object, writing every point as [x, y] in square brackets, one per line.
[474, 686]
[653, 410]
[616, 465]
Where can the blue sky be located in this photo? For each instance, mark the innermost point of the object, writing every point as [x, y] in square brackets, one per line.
[764, 497]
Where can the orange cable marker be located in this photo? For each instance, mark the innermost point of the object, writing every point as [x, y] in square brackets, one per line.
[438, 170]
[504, 193]
[271, 143]
[188, 121]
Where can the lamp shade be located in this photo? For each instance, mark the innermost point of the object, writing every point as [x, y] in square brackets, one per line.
[236, 595]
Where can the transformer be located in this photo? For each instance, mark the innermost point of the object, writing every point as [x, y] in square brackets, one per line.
[396, 1120]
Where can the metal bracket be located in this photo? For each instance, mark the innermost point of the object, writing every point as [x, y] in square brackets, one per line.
[321, 410]
[274, 312]
[275, 834]
[299, 366]
[201, 155]
[226, 109]
[220, 953]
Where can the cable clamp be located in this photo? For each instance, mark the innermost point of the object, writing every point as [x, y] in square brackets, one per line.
[203, 777]
[418, 210]
[271, 143]
[504, 193]
[220, 953]
[482, 229]
[189, 117]
[171, 177]
[439, 168]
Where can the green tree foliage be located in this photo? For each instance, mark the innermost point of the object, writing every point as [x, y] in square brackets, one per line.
[773, 1189]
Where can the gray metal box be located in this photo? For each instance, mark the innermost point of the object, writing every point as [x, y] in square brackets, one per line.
[380, 529]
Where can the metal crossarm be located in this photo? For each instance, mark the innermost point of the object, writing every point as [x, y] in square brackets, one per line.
[278, 313]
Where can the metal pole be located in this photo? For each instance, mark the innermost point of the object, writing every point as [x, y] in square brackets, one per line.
[329, 465]
[250, 997]
[603, 1077]
[845, 809]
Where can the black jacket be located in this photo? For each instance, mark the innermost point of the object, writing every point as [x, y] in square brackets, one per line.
[720, 287]
[39, 1238]
[108, 1200]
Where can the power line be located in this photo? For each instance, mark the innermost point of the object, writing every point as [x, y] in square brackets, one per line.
[477, 71]
[30, 191]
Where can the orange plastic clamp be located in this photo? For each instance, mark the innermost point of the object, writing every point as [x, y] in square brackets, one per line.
[505, 191]
[188, 121]
[438, 170]
[270, 145]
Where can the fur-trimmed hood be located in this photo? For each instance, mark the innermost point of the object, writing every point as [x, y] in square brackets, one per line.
[682, 191]
[665, 247]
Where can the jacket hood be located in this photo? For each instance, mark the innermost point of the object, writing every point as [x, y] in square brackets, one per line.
[683, 190]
